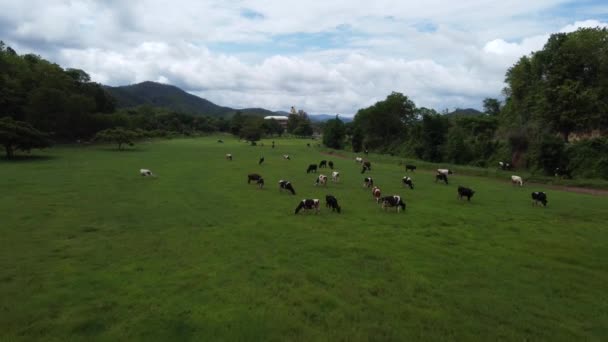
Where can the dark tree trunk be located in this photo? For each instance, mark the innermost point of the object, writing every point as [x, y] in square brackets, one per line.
[10, 152]
[119, 146]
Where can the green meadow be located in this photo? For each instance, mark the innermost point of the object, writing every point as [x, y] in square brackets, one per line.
[90, 250]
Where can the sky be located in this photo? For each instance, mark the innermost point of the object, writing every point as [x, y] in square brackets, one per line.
[331, 57]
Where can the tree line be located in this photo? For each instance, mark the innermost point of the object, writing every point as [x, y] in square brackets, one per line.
[552, 95]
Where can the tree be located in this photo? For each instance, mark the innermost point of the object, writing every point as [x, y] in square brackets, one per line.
[304, 129]
[118, 136]
[491, 106]
[18, 135]
[272, 127]
[334, 133]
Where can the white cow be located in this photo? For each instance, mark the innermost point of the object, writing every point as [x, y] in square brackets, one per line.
[229, 156]
[517, 180]
[286, 156]
[444, 171]
[359, 159]
[146, 173]
[335, 176]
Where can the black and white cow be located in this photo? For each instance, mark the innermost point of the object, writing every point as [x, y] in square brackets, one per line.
[146, 173]
[321, 180]
[308, 204]
[409, 167]
[335, 176]
[445, 171]
[465, 192]
[563, 172]
[229, 156]
[312, 168]
[261, 161]
[286, 157]
[441, 177]
[408, 181]
[394, 201]
[358, 160]
[331, 164]
[539, 197]
[332, 202]
[368, 182]
[323, 164]
[367, 165]
[285, 185]
[257, 178]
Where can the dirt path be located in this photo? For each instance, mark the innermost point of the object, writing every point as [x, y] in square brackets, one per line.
[335, 155]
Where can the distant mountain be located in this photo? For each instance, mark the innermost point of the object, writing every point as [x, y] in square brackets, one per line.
[174, 98]
[325, 117]
[464, 112]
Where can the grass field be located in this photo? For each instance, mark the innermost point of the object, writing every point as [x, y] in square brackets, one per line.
[89, 250]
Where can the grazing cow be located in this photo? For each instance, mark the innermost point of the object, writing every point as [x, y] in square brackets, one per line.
[465, 192]
[307, 144]
[331, 164]
[220, 141]
[563, 172]
[408, 181]
[322, 179]
[505, 165]
[228, 156]
[376, 194]
[335, 176]
[323, 164]
[368, 182]
[332, 202]
[308, 204]
[312, 168]
[445, 171]
[367, 164]
[285, 185]
[358, 159]
[409, 167]
[393, 201]
[517, 180]
[146, 173]
[441, 177]
[261, 161]
[539, 196]
[253, 177]
[286, 156]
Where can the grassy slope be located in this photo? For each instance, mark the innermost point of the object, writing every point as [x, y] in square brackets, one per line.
[91, 250]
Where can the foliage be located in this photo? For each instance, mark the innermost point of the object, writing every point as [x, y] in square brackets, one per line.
[334, 133]
[491, 106]
[589, 158]
[118, 136]
[18, 135]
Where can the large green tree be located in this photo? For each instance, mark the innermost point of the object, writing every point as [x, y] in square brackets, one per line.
[334, 133]
[119, 136]
[19, 135]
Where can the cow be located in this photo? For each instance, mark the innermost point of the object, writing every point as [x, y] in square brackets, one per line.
[307, 144]
[465, 192]
[286, 157]
[367, 164]
[261, 161]
[359, 160]
[335, 176]
[228, 156]
[441, 177]
[322, 179]
[376, 194]
[253, 177]
[331, 164]
[368, 182]
[409, 167]
[563, 172]
[445, 171]
[308, 204]
[517, 180]
[504, 165]
[408, 181]
[332, 202]
[285, 185]
[260, 182]
[146, 173]
[539, 196]
[323, 164]
[393, 201]
[366, 152]
[312, 168]
[220, 141]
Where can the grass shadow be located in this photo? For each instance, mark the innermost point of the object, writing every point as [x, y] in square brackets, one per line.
[114, 149]
[27, 158]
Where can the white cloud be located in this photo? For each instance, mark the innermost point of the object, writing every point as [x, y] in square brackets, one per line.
[335, 56]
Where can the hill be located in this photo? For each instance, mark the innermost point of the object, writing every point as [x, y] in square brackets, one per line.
[174, 98]
[458, 112]
[325, 117]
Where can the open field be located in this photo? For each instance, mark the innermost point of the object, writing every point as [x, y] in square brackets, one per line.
[89, 250]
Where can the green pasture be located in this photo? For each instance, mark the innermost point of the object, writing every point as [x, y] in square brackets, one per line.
[90, 250]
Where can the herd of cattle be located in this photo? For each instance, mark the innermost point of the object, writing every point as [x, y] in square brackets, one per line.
[392, 201]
